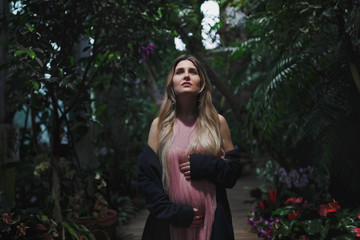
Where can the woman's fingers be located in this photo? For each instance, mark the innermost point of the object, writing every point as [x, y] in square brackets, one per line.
[185, 165]
[185, 169]
[198, 219]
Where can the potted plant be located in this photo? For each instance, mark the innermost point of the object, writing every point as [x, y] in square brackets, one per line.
[27, 223]
[88, 206]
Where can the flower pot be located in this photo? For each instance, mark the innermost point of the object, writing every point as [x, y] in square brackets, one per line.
[42, 232]
[102, 228]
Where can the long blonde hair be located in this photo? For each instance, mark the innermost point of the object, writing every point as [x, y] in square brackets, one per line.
[208, 137]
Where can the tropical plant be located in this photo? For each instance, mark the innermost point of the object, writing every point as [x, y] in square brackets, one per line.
[303, 59]
[29, 223]
[299, 219]
[299, 207]
[62, 55]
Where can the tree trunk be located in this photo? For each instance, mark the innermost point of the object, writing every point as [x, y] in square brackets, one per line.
[55, 156]
[223, 88]
[56, 190]
[353, 56]
[154, 87]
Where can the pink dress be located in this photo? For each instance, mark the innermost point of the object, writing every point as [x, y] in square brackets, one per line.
[200, 194]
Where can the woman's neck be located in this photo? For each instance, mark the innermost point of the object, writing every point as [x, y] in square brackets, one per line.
[186, 109]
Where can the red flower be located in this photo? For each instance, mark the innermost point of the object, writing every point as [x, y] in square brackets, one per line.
[334, 205]
[359, 216]
[325, 209]
[272, 194]
[6, 218]
[294, 214]
[294, 200]
[21, 229]
[357, 230]
[261, 204]
[267, 202]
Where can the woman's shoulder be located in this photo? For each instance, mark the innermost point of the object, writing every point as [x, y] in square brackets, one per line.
[153, 138]
[155, 123]
[222, 119]
[223, 124]
[225, 133]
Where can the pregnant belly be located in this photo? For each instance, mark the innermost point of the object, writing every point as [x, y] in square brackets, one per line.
[197, 193]
[200, 194]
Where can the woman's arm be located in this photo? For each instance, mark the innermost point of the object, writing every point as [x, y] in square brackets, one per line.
[153, 138]
[222, 171]
[157, 201]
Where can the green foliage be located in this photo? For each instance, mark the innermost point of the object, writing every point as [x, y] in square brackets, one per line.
[303, 108]
[74, 67]
[29, 223]
[77, 64]
[125, 208]
[307, 222]
[298, 207]
[77, 231]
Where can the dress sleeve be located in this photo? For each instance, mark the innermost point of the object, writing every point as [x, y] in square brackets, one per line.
[221, 171]
[157, 201]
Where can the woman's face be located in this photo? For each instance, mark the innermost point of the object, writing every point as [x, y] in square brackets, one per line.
[186, 79]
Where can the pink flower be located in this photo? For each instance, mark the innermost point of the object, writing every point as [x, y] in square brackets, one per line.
[294, 200]
[359, 216]
[357, 230]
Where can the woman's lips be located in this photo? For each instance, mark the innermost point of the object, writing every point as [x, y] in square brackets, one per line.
[186, 84]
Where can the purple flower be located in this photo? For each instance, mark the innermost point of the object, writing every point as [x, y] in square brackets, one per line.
[264, 227]
[146, 51]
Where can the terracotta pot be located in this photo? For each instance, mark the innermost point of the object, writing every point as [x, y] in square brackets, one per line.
[42, 231]
[102, 228]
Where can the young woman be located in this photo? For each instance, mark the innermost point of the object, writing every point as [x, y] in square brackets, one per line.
[188, 162]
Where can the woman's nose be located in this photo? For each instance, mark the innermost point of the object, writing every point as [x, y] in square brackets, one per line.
[186, 75]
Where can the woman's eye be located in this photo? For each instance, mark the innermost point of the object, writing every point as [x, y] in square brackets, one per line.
[193, 71]
[179, 72]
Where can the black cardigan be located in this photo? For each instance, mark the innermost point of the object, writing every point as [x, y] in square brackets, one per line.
[222, 172]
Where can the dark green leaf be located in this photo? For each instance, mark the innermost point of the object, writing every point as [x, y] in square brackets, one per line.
[313, 227]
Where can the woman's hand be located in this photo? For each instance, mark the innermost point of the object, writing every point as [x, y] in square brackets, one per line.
[185, 169]
[198, 219]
